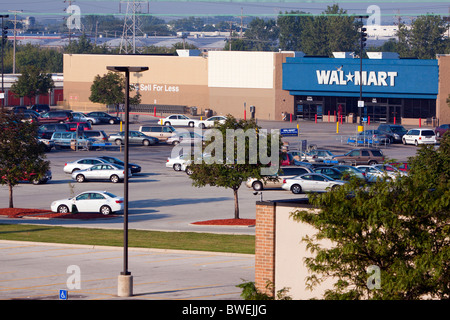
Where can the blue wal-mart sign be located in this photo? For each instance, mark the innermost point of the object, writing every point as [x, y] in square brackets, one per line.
[390, 78]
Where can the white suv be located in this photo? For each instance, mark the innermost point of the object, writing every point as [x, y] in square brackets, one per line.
[419, 136]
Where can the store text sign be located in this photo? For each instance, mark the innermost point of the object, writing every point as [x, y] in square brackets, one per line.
[367, 78]
[157, 87]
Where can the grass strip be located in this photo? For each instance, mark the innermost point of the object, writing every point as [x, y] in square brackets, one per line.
[136, 238]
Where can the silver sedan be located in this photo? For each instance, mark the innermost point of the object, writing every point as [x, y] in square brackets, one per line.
[105, 171]
[310, 182]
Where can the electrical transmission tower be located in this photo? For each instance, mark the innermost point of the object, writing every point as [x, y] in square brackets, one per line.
[131, 26]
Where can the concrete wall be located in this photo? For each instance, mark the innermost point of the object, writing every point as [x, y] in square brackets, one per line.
[280, 252]
[442, 108]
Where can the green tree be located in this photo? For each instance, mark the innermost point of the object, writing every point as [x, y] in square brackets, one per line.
[291, 26]
[262, 35]
[230, 171]
[32, 82]
[109, 89]
[84, 46]
[22, 156]
[332, 31]
[45, 59]
[424, 38]
[401, 228]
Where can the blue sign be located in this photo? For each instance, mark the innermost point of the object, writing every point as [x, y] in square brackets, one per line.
[390, 78]
[63, 295]
[289, 132]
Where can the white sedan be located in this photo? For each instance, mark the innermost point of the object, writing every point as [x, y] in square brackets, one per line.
[185, 138]
[310, 182]
[381, 171]
[176, 162]
[178, 120]
[81, 164]
[89, 201]
[210, 122]
[105, 171]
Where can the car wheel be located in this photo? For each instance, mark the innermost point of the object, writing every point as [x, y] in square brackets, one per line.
[177, 167]
[175, 142]
[167, 123]
[191, 124]
[105, 210]
[189, 171]
[63, 209]
[404, 141]
[416, 143]
[296, 189]
[80, 178]
[335, 187]
[257, 186]
[91, 122]
[146, 142]
[114, 178]
[438, 134]
[111, 121]
[202, 125]
[372, 162]
[118, 142]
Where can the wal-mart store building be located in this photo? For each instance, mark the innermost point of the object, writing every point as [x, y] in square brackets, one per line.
[394, 90]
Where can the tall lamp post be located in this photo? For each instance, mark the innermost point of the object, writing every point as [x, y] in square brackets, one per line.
[362, 42]
[4, 39]
[125, 281]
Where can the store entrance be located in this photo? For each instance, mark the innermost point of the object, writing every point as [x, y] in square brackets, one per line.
[309, 111]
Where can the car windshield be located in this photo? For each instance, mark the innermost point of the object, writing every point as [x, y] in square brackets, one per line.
[398, 129]
[110, 194]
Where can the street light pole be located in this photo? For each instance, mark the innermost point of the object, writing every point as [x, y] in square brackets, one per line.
[3, 44]
[125, 287]
[361, 50]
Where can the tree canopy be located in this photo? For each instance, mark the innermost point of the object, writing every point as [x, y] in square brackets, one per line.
[32, 82]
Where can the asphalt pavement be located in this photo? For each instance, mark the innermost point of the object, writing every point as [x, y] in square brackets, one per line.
[160, 199]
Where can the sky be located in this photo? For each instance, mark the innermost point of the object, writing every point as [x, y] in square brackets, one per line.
[169, 9]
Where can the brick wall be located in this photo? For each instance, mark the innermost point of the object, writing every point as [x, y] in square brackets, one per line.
[265, 246]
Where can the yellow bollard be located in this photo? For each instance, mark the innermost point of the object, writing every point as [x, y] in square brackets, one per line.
[337, 127]
[120, 125]
[360, 128]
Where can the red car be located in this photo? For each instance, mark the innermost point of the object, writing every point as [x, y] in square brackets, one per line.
[80, 125]
[443, 128]
[402, 166]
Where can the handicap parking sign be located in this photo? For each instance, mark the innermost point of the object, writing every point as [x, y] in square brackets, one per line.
[63, 295]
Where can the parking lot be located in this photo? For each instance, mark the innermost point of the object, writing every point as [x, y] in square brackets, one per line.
[159, 199]
[163, 199]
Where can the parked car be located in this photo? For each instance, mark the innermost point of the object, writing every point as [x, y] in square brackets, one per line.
[419, 136]
[64, 139]
[40, 108]
[176, 162]
[104, 171]
[178, 120]
[211, 121]
[350, 171]
[361, 156]
[60, 116]
[402, 166]
[374, 136]
[134, 137]
[81, 164]
[395, 131]
[185, 138]
[97, 135]
[82, 117]
[81, 126]
[135, 168]
[103, 117]
[379, 171]
[330, 172]
[90, 201]
[53, 127]
[440, 130]
[318, 155]
[159, 132]
[310, 182]
[32, 177]
[48, 143]
[276, 181]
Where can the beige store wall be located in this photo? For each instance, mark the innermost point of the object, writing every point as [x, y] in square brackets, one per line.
[169, 80]
[442, 108]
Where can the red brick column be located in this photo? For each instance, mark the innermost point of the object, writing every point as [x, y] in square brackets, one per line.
[265, 246]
